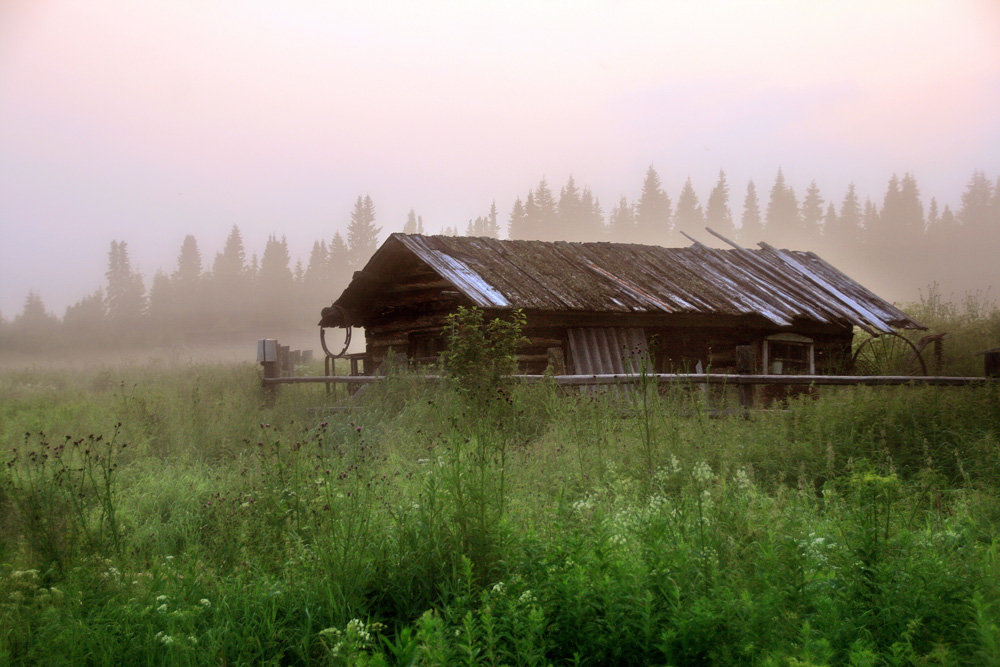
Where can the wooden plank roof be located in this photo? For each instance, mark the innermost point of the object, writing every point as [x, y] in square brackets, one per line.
[778, 285]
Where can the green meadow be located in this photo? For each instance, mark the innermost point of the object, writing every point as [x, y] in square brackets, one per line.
[161, 514]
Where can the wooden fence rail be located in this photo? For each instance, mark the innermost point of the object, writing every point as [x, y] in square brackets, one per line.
[674, 378]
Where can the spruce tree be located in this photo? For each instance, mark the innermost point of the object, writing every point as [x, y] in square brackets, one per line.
[125, 293]
[362, 234]
[274, 264]
[621, 222]
[543, 218]
[476, 227]
[591, 225]
[850, 222]
[717, 214]
[230, 285]
[980, 229]
[933, 214]
[689, 217]
[568, 212]
[85, 319]
[783, 222]
[653, 214]
[35, 328]
[888, 226]
[190, 302]
[35, 319]
[410, 226]
[751, 229]
[164, 309]
[830, 220]
[977, 203]
[230, 264]
[339, 264]
[275, 284]
[189, 267]
[870, 222]
[812, 217]
[318, 269]
[911, 210]
[491, 226]
[517, 225]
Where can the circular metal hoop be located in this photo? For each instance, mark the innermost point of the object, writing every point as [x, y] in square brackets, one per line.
[888, 354]
[343, 351]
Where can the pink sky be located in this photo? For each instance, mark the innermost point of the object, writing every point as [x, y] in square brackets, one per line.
[146, 121]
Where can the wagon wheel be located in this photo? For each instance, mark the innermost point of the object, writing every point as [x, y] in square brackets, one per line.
[887, 354]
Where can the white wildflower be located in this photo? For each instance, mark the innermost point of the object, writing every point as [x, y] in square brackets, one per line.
[702, 472]
[583, 505]
[619, 540]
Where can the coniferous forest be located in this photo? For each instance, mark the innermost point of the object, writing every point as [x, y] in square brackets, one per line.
[899, 245]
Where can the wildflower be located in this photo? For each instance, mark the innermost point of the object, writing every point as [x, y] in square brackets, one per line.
[357, 627]
[583, 505]
[162, 598]
[702, 472]
[205, 602]
[657, 503]
[162, 608]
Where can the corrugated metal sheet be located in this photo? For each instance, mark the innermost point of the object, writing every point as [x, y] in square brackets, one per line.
[778, 285]
[604, 350]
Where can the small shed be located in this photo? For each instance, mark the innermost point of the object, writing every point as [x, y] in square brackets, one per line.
[591, 307]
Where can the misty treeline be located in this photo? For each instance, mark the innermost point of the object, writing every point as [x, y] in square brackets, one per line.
[896, 246]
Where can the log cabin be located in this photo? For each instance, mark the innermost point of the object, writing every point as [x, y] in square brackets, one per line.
[594, 308]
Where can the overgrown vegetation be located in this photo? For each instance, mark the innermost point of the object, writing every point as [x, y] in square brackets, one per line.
[181, 522]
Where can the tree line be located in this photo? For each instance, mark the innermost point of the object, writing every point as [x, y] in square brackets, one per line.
[895, 246]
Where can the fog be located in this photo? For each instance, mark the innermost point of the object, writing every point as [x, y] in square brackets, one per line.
[144, 123]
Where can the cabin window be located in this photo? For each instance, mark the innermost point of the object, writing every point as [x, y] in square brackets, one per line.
[789, 354]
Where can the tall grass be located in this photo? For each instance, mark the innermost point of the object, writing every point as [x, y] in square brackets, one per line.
[856, 527]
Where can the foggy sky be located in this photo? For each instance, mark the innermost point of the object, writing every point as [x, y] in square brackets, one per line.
[146, 121]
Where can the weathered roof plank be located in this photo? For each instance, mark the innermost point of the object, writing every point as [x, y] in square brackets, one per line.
[778, 285]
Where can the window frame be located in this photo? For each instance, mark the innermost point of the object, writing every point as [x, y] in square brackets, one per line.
[789, 339]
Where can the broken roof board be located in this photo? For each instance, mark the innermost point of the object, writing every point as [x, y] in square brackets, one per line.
[779, 285]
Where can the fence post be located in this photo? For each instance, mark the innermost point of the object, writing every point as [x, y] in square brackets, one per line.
[267, 356]
[745, 366]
